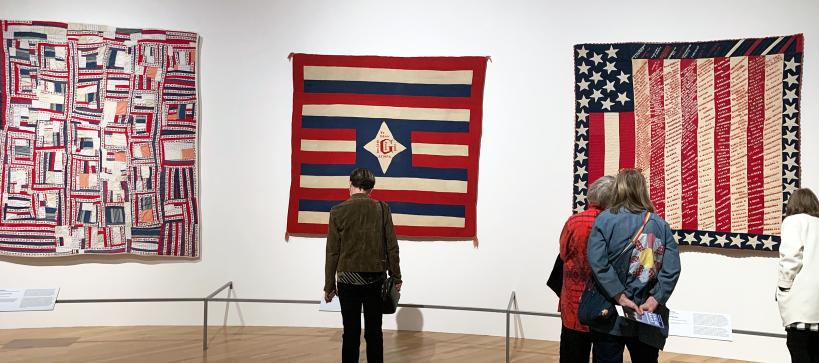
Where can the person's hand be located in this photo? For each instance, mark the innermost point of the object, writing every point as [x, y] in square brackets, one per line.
[624, 301]
[650, 305]
[398, 285]
[328, 296]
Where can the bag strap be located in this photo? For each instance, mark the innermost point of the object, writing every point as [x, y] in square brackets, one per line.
[636, 236]
[592, 282]
[384, 232]
[642, 227]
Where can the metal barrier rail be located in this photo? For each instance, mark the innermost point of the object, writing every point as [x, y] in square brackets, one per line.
[229, 285]
[161, 299]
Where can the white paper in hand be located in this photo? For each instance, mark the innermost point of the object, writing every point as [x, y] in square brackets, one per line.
[333, 305]
[646, 317]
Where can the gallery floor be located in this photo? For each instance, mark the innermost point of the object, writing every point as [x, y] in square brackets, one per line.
[262, 344]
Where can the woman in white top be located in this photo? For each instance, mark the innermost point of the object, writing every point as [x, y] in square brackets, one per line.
[798, 293]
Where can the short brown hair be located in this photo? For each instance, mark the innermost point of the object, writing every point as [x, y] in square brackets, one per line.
[630, 192]
[803, 201]
[362, 178]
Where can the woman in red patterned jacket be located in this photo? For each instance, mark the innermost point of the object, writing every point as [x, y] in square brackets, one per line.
[575, 340]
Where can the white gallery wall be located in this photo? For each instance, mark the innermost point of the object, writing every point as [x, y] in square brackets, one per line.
[525, 169]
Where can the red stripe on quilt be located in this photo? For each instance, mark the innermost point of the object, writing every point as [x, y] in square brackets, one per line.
[722, 143]
[786, 45]
[388, 195]
[756, 122]
[295, 145]
[457, 138]
[657, 111]
[56, 24]
[753, 46]
[596, 146]
[334, 158]
[688, 151]
[439, 161]
[328, 134]
[627, 137]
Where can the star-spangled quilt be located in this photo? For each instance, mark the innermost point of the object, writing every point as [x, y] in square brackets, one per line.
[415, 122]
[714, 127]
[98, 140]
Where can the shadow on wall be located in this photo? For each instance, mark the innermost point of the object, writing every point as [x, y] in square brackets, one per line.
[409, 337]
[409, 319]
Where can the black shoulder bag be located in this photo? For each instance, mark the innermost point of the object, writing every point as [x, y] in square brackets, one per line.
[595, 306]
[555, 281]
[389, 293]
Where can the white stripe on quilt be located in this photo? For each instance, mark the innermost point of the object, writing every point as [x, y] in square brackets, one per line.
[440, 149]
[427, 221]
[642, 118]
[706, 115]
[328, 145]
[734, 49]
[739, 144]
[314, 217]
[611, 129]
[673, 142]
[770, 47]
[398, 219]
[772, 145]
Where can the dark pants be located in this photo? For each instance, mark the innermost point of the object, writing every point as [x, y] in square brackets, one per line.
[609, 349]
[352, 297]
[803, 345]
[575, 346]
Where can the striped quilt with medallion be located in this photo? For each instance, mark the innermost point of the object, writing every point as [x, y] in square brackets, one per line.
[414, 122]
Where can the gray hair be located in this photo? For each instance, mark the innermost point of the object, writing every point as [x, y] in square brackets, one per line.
[600, 191]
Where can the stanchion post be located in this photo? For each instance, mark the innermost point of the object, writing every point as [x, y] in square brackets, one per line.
[227, 285]
[512, 298]
[507, 337]
[205, 327]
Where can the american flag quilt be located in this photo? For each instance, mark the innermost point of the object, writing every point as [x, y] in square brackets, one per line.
[714, 127]
[414, 122]
[98, 140]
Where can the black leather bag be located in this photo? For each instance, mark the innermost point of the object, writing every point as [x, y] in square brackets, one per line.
[389, 293]
[555, 281]
[596, 307]
[389, 296]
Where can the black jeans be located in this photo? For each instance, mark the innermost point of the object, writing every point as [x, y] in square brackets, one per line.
[575, 346]
[609, 349]
[803, 345]
[352, 297]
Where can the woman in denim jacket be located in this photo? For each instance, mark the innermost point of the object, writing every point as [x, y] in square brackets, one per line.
[642, 278]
